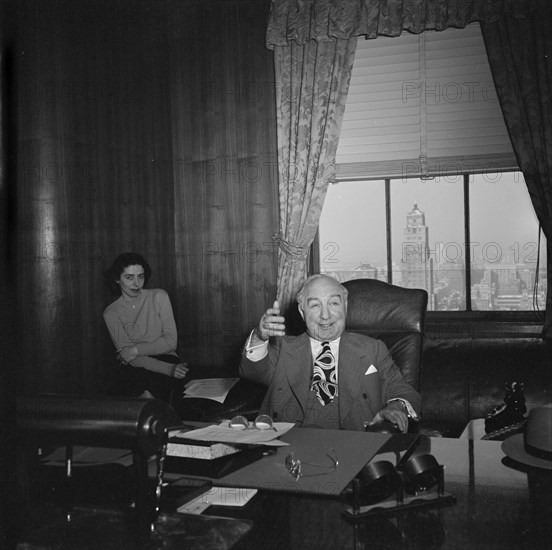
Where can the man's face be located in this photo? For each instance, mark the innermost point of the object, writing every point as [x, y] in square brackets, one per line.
[324, 309]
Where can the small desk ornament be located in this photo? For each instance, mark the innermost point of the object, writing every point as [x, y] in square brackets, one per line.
[382, 488]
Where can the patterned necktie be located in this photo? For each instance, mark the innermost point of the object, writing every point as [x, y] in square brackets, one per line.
[324, 379]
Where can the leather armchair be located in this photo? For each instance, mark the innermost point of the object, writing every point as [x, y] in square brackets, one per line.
[394, 315]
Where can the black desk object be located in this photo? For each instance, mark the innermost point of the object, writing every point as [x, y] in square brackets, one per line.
[137, 424]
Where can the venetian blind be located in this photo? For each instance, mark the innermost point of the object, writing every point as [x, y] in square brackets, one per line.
[422, 105]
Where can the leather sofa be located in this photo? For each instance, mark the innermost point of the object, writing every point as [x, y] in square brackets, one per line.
[464, 378]
[460, 378]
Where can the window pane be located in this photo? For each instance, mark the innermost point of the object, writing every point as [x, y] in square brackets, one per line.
[427, 228]
[352, 231]
[504, 235]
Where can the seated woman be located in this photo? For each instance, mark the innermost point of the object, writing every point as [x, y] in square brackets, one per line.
[142, 327]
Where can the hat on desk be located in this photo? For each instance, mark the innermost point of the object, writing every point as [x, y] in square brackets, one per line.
[534, 446]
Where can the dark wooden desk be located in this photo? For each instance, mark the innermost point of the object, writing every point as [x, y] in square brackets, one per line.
[497, 507]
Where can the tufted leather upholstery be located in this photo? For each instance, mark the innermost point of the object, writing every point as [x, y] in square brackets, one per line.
[394, 315]
[464, 378]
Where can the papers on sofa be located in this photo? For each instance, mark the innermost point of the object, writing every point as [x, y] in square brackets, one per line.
[210, 388]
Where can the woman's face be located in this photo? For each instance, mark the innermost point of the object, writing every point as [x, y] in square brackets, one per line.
[132, 280]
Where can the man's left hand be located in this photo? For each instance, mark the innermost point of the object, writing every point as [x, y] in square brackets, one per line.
[393, 412]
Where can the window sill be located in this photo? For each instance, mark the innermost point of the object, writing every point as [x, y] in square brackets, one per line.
[483, 324]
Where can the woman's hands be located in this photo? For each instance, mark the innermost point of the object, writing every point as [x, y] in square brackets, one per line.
[180, 370]
[127, 355]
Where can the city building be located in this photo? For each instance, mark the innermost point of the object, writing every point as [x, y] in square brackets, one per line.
[416, 263]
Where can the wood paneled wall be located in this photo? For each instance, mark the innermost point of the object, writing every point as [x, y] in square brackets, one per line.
[132, 134]
[226, 177]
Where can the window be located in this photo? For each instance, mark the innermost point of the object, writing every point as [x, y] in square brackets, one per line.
[428, 192]
[416, 238]
[423, 105]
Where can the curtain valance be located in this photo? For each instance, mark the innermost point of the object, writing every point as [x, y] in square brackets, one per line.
[324, 20]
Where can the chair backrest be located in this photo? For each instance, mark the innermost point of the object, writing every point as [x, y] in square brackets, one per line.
[394, 315]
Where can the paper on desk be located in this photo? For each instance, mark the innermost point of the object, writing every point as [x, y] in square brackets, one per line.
[218, 496]
[210, 388]
[222, 433]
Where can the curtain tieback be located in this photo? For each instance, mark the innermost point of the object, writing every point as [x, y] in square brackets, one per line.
[295, 252]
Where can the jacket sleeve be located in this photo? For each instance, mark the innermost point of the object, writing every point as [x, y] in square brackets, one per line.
[392, 382]
[261, 371]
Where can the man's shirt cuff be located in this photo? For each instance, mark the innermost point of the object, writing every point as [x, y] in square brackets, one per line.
[257, 352]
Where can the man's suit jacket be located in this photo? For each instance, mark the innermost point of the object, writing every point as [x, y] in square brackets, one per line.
[367, 379]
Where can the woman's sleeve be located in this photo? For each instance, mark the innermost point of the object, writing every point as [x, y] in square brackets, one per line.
[116, 331]
[120, 340]
[149, 363]
[168, 340]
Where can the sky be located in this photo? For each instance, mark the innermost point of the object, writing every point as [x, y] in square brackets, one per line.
[503, 223]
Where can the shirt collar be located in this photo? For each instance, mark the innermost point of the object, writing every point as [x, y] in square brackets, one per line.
[316, 345]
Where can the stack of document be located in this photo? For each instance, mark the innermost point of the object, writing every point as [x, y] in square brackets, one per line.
[202, 450]
[215, 451]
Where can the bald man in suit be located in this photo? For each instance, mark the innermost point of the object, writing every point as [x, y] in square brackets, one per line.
[326, 377]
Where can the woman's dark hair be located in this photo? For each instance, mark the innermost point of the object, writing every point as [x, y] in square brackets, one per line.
[112, 275]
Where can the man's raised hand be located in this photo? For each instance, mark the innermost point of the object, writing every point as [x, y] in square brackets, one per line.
[271, 323]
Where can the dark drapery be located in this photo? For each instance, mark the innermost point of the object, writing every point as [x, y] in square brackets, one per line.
[520, 57]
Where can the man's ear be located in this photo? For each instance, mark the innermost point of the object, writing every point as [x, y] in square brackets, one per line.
[301, 312]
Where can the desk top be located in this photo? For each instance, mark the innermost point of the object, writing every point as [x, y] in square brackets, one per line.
[498, 506]
[313, 447]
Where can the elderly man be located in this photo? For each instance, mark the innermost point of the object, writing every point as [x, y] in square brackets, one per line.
[326, 377]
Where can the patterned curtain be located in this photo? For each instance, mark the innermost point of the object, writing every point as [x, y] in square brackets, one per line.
[323, 20]
[312, 81]
[520, 57]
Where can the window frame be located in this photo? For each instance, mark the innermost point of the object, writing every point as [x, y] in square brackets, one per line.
[454, 324]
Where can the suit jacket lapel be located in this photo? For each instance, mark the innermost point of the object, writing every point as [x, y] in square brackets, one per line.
[298, 365]
[349, 374]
